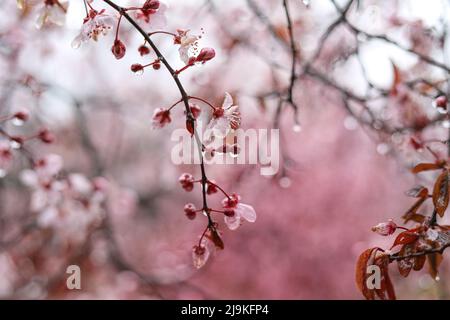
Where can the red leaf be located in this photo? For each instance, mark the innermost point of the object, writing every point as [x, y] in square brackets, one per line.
[405, 265]
[417, 192]
[397, 79]
[434, 260]
[406, 237]
[389, 287]
[386, 290]
[411, 213]
[440, 193]
[426, 167]
[361, 272]
[419, 262]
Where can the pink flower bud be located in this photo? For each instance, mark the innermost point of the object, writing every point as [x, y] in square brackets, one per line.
[118, 49]
[441, 102]
[187, 181]
[189, 210]
[205, 54]
[385, 228]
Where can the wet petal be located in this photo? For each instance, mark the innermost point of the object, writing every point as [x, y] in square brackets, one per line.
[228, 101]
[246, 211]
[199, 256]
[233, 222]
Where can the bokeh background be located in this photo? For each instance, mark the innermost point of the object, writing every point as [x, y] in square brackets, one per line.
[339, 176]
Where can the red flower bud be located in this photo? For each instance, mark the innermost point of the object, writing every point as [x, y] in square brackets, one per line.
[143, 50]
[22, 115]
[156, 65]
[385, 228]
[46, 136]
[211, 188]
[118, 49]
[137, 67]
[151, 5]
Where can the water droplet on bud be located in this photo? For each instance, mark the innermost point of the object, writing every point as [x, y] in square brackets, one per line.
[297, 128]
[15, 144]
[17, 122]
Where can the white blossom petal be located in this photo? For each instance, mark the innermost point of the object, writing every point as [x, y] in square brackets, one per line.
[233, 222]
[246, 211]
[228, 101]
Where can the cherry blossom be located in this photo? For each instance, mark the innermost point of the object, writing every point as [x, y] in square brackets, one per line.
[97, 23]
[187, 181]
[153, 12]
[225, 118]
[200, 254]
[189, 210]
[235, 211]
[188, 46]
[69, 205]
[51, 12]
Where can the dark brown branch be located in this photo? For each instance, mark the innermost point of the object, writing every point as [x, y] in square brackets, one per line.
[293, 76]
[184, 96]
